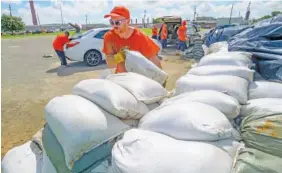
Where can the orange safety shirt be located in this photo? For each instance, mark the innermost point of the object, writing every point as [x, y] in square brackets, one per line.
[60, 41]
[138, 41]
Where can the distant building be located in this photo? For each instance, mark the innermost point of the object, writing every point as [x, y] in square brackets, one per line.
[234, 20]
[205, 22]
[205, 18]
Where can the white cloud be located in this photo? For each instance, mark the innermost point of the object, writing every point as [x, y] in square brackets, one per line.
[72, 12]
[17, 2]
[75, 10]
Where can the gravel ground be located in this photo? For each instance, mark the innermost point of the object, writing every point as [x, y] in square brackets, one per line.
[29, 81]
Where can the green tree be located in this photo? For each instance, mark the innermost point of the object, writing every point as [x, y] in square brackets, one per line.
[12, 23]
[275, 13]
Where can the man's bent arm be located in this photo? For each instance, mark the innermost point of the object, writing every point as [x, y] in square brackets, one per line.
[110, 61]
[156, 61]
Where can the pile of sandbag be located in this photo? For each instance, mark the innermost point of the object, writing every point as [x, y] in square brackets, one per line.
[82, 128]
[221, 46]
[261, 130]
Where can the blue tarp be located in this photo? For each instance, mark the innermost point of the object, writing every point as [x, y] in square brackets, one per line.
[264, 41]
[223, 33]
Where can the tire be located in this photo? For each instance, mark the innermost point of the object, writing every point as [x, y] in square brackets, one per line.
[92, 58]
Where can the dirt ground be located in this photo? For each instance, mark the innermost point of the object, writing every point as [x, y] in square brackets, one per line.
[26, 92]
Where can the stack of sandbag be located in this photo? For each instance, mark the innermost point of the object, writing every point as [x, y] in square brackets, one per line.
[221, 72]
[79, 135]
[137, 63]
[146, 151]
[26, 158]
[261, 130]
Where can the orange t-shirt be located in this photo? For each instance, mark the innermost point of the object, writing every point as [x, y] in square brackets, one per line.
[155, 31]
[138, 41]
[60, 41]
[182, 33]
[164, 32]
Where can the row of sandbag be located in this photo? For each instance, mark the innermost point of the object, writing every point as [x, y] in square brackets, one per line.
[82, 128]
[189, 132]
[261, 130]
[230, 73]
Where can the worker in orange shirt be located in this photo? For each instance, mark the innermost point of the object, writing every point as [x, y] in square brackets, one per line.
[122, 35]
[164, 35]
[181, 32]
[155, 32]
[58, 45]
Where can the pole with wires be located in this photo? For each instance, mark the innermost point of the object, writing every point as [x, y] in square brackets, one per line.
[230, 14]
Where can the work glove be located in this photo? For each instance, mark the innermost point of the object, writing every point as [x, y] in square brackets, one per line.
[120, 56]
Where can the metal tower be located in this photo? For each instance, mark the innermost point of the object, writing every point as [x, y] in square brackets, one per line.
[33, 14]
[248, 12]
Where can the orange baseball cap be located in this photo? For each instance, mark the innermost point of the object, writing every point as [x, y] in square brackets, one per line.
[119, 11]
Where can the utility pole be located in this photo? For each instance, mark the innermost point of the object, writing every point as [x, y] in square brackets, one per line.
[195, 12]
[144, 18]
[62, 15]
[230, 14]
[10, 9]
[86, 20]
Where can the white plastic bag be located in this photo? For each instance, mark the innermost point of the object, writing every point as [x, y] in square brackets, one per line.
[26, 158]
[143, 88]
[80, 125]
[231, 85]
[47, 165]
[153, 106]
[106, 73]
[262, 107]
[265, 89]
[211, 70]
[137, 63]
[111, 97]
[192, 121]
[227, 58]
[147, 152]
[228, 105]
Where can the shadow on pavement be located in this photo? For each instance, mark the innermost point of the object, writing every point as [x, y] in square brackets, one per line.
[75, 67]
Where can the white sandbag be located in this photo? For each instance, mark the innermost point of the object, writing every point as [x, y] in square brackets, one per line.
[188, 121]
[143, 88]
[221, 46]
[265, 89]
[111, 97]
[228, 105]
[262, 107]
[142, 151]
[227, 58]
[47, 165]
[137, 63]
[80, 125]
[231, 85]
[26, 158]
[152, 106]
[211, 70]
[105, 73]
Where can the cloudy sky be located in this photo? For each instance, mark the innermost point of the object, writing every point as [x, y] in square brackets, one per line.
[76, 10]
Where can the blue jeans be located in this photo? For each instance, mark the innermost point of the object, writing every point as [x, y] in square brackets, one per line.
[155, 37]
[164, 43]
[61, 55]
[182, 45]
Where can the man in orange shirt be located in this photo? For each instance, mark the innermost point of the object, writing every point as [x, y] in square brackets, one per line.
[58, 45]
[181, 32]
[122, 35]
[164, 35]
[155, 32]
